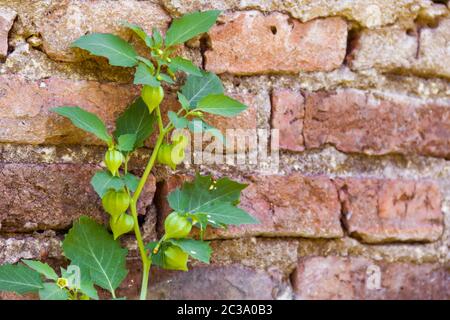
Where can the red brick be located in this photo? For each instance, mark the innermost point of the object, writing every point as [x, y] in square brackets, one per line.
[25, 115]
[357, 278]
[67, 20]
[253, 43]
[7, 18]
[40, 197]
[214, 283]
[358, 121]
[300, 207]
[391, 210]
[288, 112]
[390, 49]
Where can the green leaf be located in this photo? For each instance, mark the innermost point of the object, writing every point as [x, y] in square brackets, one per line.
[178, 122]
[221, 105]
[197, 87]
[166, 78]
[126, 142]
[144, 76]
[51, 291]
[190, 25]
[19, 279]
[131, 181]
[199, 126]
[180, 64]
[140, 32]
[197, 249]
[85, 120]
[157, 37]
[42, 268]
[102, 181]
[147, 62]
[215, 199]
[90, 246]
[158, 258]
[136, 120]
[183, 101]
[118, 51]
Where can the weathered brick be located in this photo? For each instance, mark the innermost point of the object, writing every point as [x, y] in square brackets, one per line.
[288, 112]
[67, 20]
[25, 115]
[358, 278]
[39, 197]
[7, 18]
[393, 48]
[391, 210]
[301, 207]
[359, 121]
[253, 43]
[215, 282]
[371, 14]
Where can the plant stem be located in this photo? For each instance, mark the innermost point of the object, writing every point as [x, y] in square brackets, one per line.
[146, 262]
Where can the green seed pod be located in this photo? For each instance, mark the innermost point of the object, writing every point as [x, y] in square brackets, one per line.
[121, 225]
[165, 155]
[116, 202]
[173, 154]
[175, 259]
[113, 160]
[152, 96]
[177, 226]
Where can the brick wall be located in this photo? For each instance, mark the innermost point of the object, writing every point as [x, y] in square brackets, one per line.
[360, 91]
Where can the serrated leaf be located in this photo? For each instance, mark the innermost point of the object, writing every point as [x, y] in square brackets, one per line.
[199, 126]
[144, 76]
[215, 199]
[51, 291]
[19, 279]
[136, 120]
[140, 32]
[131, 181]
[118, 51]
[42, 268]
[197, 87]
[181, 64]
[85, 120]
[126, 142]
[221, 105]
[102, 181]
[197, 249]
[90, 246]
[178, 122]
[190, 25]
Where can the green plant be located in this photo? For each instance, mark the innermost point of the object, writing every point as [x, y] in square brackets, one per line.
[204, 202]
